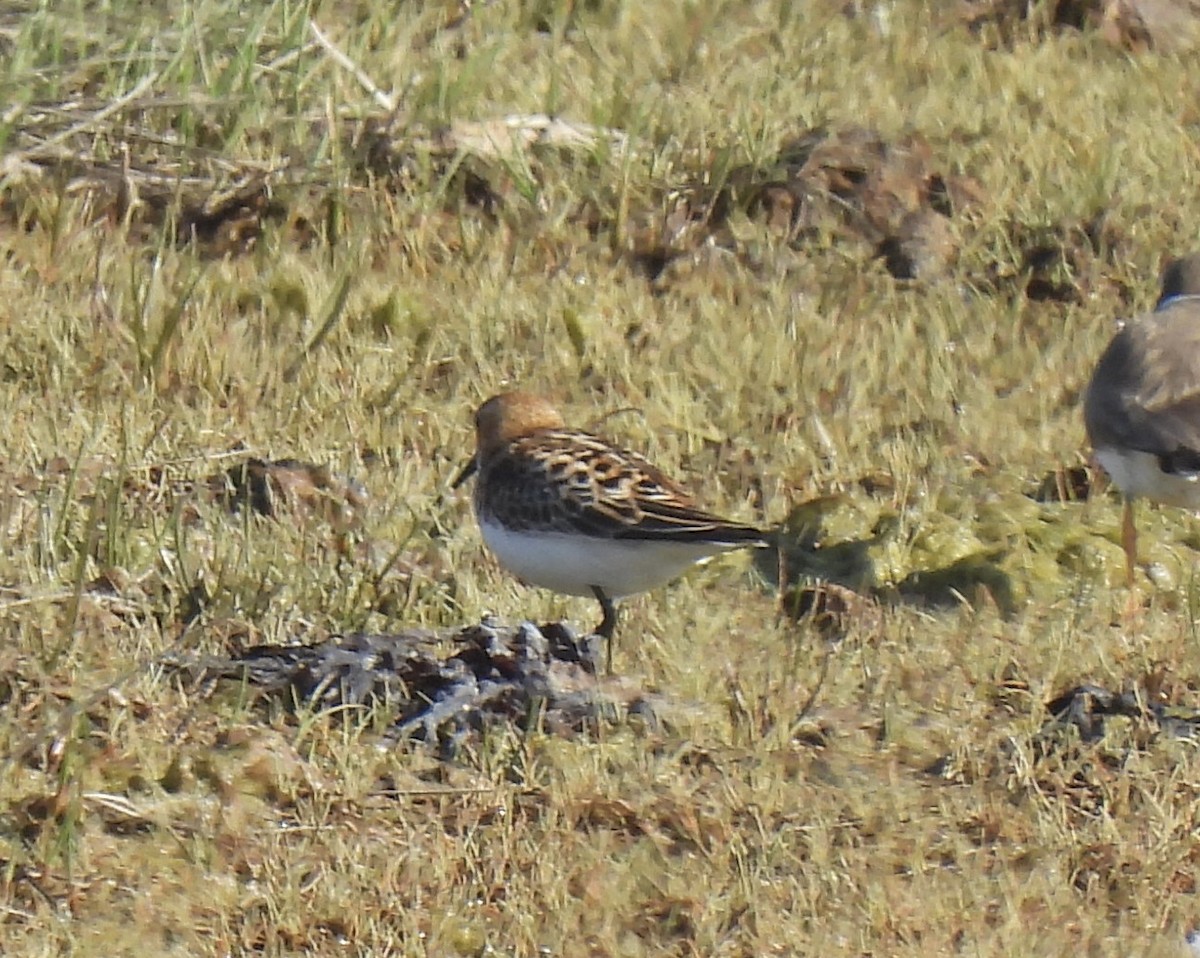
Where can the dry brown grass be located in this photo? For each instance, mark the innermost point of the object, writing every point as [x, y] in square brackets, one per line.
[248, 258]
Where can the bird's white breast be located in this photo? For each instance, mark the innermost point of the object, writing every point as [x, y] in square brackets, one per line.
[573, 564]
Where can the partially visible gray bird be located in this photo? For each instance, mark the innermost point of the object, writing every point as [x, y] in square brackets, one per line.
[1142, 407]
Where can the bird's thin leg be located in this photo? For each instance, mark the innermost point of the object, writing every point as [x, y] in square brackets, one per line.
[1129, 540]
[608, 624]
[1133, 601]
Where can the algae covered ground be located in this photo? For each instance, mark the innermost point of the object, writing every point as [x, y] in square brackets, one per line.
[844, 268]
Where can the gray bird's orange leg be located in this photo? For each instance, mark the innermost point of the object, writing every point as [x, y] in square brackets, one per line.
[1129, 541]
[1133, 602]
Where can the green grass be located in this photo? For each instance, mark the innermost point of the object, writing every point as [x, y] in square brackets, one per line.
[892, 793]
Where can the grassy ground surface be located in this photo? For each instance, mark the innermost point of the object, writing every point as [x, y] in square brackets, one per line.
[249, 256]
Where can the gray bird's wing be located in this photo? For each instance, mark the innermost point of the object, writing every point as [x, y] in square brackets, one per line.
[1145, 392]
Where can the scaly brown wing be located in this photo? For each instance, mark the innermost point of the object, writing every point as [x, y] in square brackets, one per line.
[576, 482]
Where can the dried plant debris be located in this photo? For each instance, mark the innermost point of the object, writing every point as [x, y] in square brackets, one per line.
[1087, 707]
[1161, 25]
[1136, 25]
[1066, 262]
[132, 177]
[878, 199]
[1088, 745]
[447, 688]
[301, 488]
[269, 487]
[1086, 750]
[1068, 484]
[509, 136]
[226, 223]
[832, 609]
[886, 198]
[131, 174]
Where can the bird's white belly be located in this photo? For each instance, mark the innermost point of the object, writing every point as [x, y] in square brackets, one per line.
[1137, 474]
[572, 565]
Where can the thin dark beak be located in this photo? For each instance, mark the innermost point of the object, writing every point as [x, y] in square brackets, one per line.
[468, 471]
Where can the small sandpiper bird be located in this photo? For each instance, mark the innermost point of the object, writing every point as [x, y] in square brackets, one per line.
[568, 511]
[1142, 407]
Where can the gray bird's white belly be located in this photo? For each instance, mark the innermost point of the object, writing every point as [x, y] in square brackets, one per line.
[1138, 475]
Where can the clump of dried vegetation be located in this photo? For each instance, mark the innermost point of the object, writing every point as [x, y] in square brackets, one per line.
[851, 262]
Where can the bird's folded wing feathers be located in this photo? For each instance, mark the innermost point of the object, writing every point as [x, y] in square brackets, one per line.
[1145, 394]
[578, 483]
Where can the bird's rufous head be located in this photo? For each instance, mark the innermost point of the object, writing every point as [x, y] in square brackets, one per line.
[504, 418]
